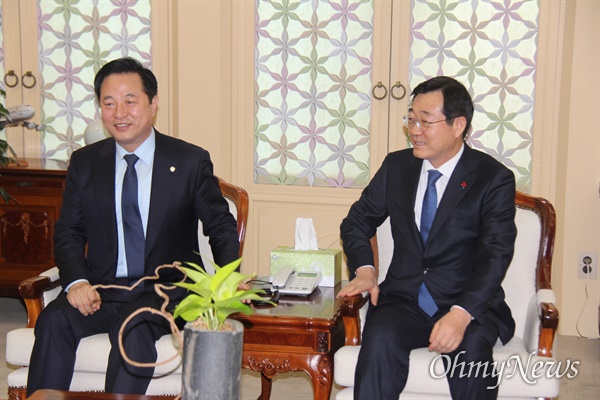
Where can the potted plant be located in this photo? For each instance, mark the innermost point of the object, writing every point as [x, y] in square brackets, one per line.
[213, 343]
[5, 148]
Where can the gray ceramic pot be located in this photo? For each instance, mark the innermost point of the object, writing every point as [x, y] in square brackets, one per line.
[212, 362]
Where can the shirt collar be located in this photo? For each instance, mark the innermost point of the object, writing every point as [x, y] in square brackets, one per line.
[145, 151]
[448, 167]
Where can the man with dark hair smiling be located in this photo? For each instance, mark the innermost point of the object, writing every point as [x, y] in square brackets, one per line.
[131, 203]
[451, 210]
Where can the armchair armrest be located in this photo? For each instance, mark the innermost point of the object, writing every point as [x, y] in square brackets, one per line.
[349, 309]
[542, 321]
[548, 325]
[32, 291]
[548, 321]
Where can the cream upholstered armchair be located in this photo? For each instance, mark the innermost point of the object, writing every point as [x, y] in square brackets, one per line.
[528, 293]
[92, 353]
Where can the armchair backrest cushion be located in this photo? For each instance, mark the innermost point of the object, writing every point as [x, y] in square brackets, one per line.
[238, 201]
[519, 283]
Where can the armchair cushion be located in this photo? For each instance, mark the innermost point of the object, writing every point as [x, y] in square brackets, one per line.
[91, 362]
[425, 384]
[92, 353]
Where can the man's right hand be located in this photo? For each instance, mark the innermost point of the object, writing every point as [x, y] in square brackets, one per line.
[84, 298]
[365, 280]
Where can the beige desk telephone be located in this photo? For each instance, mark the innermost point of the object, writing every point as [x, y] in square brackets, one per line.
[291, 282]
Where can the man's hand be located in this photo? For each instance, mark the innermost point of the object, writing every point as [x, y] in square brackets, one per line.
[365, 280]
[84, 298]
[448, 332]
[244, 286]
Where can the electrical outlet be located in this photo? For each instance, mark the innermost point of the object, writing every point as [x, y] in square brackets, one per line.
[587, 264]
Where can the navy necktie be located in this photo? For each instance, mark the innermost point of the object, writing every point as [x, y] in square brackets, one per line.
[426, 302]
[133, 231]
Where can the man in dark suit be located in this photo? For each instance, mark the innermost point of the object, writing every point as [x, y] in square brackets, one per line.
[442, 290]
[175, 187]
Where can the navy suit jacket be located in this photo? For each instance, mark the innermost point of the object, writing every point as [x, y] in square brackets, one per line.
[471, 241]
[184, 190]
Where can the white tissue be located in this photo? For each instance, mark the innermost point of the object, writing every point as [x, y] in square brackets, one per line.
[306, 237]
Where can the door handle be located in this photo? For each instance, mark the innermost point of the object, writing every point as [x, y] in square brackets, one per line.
[379, 86]
[398, 85]
[11, 74]
[29, 75]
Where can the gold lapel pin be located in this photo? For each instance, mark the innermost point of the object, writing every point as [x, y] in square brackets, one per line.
[172, 169]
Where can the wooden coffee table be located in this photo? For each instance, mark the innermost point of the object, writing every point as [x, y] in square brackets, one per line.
[300, 334]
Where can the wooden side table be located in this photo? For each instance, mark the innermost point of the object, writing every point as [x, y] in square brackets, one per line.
[27, 227]
[300, 334]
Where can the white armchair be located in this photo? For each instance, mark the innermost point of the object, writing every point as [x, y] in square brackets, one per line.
[528, 293]
[92, 353]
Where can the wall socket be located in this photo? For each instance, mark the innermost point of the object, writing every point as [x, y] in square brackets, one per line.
[587, 264]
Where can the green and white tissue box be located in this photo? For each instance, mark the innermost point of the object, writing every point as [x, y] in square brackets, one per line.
[328, 261]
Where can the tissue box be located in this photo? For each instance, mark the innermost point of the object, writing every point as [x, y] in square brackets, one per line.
[328, 261]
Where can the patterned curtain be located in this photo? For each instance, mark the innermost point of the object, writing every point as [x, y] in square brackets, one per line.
[75, 39]
[491, 47]
[313, 78]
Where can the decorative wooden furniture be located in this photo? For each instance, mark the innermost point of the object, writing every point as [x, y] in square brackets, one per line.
[27, 227]
[300, 334]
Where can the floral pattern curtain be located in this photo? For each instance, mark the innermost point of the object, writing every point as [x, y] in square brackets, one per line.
[313, 80]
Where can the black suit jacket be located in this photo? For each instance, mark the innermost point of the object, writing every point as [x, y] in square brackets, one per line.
[184, 190]
[470, 244]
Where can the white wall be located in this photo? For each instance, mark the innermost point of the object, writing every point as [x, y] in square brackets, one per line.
[578, 203]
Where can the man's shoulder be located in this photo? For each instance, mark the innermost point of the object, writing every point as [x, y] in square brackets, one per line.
[482, 160]
[404, 155]
[179, 145]
[91, 152]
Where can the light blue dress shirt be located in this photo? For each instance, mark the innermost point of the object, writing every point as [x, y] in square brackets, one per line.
[143, 169]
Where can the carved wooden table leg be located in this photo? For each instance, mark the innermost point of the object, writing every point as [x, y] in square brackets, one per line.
[320, 372]
[265, 387]
[319, 368]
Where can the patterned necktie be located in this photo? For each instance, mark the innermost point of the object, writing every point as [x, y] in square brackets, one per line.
[132, 221]
[426, 302]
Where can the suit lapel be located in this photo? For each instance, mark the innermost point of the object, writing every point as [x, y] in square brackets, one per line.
[103, 177]
[413, 173]
[462, 179]
[164, 174]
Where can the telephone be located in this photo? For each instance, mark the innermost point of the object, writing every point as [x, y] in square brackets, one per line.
[290, 281]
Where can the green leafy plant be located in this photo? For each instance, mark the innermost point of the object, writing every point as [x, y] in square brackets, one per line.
[214, 297]
[4, 149]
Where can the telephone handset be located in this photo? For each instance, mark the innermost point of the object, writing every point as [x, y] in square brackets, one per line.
[289, 281]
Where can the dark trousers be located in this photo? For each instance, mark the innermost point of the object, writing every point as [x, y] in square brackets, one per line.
[393, 329]
[60, 327]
